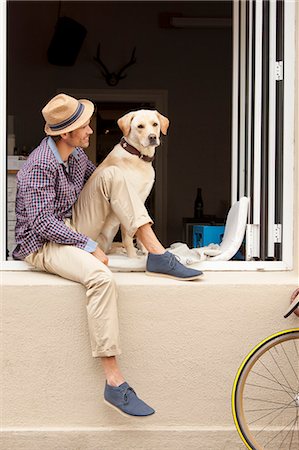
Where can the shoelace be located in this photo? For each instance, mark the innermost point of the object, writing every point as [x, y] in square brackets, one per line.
[173, 260]
[126, 399]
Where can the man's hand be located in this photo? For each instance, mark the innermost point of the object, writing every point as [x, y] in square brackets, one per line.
[99, 254]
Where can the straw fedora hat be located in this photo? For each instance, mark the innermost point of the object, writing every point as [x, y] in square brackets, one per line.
[64, 113]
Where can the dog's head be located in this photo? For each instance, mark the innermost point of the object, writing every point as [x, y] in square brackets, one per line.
[143, 127]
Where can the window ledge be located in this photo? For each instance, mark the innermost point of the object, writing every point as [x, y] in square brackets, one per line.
[206, 266]
[25, 278]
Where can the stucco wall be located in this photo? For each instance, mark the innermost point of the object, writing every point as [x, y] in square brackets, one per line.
[182, 345]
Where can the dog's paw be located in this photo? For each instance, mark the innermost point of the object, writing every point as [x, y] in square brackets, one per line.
[142, 252]
[132, 252]
[117, 249]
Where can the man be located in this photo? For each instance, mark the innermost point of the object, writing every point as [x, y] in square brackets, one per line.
[48, 235]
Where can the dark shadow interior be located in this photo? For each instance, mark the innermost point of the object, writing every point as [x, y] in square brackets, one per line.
[191, 64]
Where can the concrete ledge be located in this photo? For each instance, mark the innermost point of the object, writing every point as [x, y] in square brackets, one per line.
[182, 344]
[35, 277]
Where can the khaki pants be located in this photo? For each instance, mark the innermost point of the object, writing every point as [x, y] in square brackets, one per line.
[106, 190]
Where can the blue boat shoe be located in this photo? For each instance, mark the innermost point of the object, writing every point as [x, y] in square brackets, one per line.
[167, 265]
[124, 399]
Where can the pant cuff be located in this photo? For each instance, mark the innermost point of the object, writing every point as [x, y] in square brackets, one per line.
[103, 353]
[138, 224]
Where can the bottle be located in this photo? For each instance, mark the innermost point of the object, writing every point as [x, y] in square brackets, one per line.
[198, 205]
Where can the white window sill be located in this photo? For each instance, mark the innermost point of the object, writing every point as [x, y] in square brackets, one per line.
[28, 276]
[234, 266]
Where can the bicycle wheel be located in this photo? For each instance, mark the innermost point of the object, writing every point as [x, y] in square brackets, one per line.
[265, 397]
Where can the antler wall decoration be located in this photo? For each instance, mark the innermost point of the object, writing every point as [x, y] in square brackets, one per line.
[112, 78]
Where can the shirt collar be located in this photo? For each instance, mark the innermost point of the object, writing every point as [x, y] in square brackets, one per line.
[56, 153]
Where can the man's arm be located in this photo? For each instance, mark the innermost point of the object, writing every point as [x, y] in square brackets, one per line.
[99, 254]
[40, 197]
[89, 170]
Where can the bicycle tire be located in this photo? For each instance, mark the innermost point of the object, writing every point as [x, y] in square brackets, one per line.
[244, 385]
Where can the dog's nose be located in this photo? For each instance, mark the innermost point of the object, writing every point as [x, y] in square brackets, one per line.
[152, 138]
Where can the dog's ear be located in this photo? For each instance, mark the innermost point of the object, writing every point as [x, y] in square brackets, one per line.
[124, 123]
[164, 122]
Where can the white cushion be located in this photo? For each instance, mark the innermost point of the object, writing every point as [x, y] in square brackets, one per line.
[232, 239]
[234, 230]
[121, 263]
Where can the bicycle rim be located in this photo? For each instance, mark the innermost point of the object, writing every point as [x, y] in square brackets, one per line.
[265, 398]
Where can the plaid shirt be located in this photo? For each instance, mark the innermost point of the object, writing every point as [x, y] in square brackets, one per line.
[47, 188]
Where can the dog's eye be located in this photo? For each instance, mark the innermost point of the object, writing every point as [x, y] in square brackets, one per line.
[155, 124]
[140, 126]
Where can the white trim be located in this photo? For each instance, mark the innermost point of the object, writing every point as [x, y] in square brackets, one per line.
[272, 127]
[11, 265]
[160, 98]
[235, 103]
[205, 265]
[249, 106]
[289, 131]
[242, 112]
[252, 241]
[3, 128]
[257, 112]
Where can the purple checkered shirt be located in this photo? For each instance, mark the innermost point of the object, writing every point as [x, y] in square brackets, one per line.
[46, 192]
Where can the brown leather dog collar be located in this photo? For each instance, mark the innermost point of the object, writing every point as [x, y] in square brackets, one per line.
[134, 151]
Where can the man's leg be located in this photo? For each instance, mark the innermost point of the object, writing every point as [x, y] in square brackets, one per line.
[107, 190]
[113, 374]
[78, 265]
[149, 239]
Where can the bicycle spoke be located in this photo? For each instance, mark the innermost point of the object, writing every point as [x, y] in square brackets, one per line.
[281, 409]
[270, 409]
[284, 439]
[292, 433]
[274, 376]
[291, 365]
[271, 421]
[281, 431]
[267, 392]
[273, 381]
[296, 420]
[266, 401]
[266, 387]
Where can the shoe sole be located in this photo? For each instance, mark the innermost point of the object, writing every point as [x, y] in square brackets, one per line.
[164, 275]
[122, 412]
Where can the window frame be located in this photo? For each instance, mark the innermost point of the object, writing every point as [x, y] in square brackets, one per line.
[3, 163]
[288, 139]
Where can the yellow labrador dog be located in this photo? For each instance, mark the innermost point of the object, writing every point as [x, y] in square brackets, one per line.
[134, 155]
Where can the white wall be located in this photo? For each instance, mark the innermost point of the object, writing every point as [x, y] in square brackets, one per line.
[193, 65]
